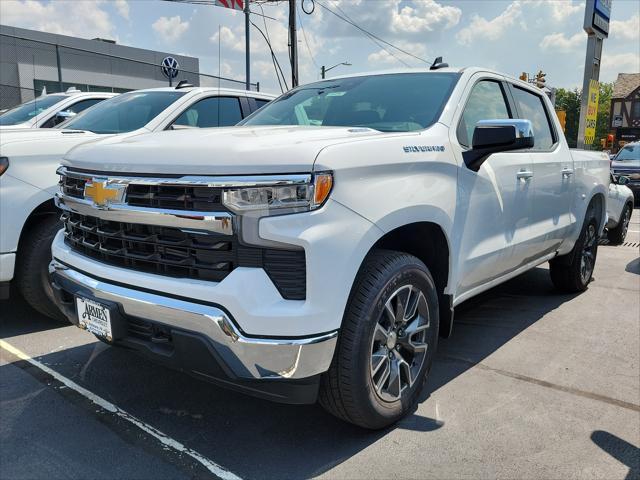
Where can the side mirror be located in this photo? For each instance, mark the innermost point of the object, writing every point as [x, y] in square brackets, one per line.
[622, 180]
[63, 116]
[493, 136]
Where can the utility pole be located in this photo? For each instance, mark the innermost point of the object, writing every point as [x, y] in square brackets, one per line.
[293, 41]
[247, 32]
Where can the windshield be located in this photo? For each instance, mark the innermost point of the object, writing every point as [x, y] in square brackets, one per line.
[628, 152]
[26, 111]
[124, 113]
[388, 103]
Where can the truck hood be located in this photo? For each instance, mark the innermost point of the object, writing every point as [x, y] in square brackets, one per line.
[41, 134]
[214, 151]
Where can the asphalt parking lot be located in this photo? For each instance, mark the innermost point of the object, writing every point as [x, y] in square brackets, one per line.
[532, 384]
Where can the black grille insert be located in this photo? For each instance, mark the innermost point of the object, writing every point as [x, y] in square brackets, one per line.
[185, 254]
[187, 197]
[73, 187]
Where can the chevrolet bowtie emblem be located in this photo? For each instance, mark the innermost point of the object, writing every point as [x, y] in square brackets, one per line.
[101, 193]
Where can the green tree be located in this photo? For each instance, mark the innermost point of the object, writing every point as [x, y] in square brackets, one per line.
[569, 101]
[604, 107]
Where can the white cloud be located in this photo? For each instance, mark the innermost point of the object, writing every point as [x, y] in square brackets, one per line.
[558, 42]
[494, 29]
[171, 29]
[382, 58]
[626, 29]
[398, 18]
[560, 9]
[122, 6]
[82, 18]
[426, 15]
[618, 62]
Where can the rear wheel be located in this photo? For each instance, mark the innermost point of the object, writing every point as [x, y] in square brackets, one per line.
[617, 235]
[572, 272]
[32, 269]
[387, 343]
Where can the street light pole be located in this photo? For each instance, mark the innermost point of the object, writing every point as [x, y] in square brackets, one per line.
[324, 70]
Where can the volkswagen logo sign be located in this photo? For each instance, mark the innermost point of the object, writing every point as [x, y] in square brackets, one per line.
[170, 67]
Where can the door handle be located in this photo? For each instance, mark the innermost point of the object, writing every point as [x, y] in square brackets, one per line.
[524, 175]
[567, 172]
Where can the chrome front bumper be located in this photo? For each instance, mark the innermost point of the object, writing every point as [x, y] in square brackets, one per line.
[247, 358]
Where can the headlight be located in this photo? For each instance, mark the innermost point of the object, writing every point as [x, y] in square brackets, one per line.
[4, 164]
[288, 198]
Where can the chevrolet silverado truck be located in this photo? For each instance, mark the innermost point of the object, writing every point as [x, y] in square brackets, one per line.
[29, 158]
[319, 249]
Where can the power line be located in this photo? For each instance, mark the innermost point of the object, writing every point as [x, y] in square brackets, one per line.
[372, 38]
[273, 56]
[304, 35]
[371, 34]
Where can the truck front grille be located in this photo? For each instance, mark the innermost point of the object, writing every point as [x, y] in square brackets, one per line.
[195, 198]
[172, 197]
[184, 254]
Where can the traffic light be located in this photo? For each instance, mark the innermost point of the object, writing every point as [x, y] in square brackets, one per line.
[540, 81]
[524, 76]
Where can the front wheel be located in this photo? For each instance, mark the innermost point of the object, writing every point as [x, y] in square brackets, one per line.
[387, 342]
[32, 268]
[572, 272]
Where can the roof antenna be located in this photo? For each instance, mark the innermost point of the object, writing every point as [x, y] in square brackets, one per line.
[437, 64]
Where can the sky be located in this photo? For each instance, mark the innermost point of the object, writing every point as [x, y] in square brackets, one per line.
[510, 36]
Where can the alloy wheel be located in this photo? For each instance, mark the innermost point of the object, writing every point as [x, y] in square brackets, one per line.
[399, 344]
[588, 257]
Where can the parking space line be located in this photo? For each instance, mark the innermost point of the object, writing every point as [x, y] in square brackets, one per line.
[114, 409]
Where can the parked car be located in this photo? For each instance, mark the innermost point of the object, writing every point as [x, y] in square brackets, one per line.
[627, 163]
[29, 158]
[319, 249]
[619, 209]
[47, 111]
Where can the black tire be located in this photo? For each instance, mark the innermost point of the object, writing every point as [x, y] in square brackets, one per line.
[617, 235]
[34, 256]
[568, 273]
[347, 389]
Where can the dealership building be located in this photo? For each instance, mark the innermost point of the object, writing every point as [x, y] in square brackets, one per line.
[32, 61]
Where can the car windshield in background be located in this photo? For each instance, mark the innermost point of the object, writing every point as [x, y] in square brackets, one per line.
[628, 152]
[388, 103]
[124, 113]
[26, 111]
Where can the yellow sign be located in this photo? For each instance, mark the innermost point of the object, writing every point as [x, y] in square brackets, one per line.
[562, 116]
[100, 193]
[592, 112]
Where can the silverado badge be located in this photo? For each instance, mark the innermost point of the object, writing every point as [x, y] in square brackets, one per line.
[102, 193]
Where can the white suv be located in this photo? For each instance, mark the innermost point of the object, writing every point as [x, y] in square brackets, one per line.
[47, 111]
[29, 158]
[318, 250]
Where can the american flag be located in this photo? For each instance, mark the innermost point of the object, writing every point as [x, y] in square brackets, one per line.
[234, 4]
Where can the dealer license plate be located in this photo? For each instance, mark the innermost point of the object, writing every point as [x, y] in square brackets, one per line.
[94, 317]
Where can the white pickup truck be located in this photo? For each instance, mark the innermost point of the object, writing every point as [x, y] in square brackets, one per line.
[47, 111]
[319, 249]
[29, 158]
